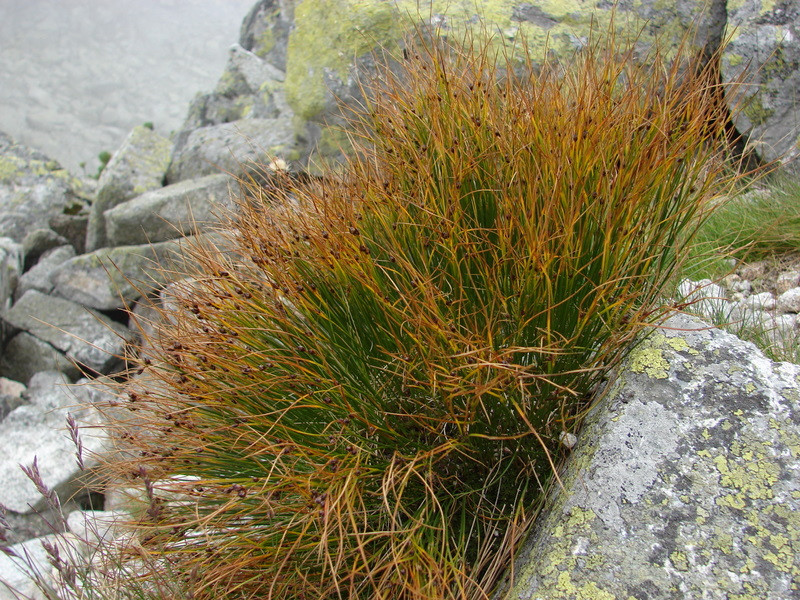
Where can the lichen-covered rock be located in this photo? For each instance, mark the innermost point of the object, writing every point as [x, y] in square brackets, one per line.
[325, 47]
[33, 188]
[330, 45]
[265, 30]
[249, 88]
[137, 167]
[685, 482]
[173, 211]
[764, 41]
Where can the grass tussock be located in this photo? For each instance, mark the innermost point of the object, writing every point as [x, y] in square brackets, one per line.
[763, 223]
[364, 399]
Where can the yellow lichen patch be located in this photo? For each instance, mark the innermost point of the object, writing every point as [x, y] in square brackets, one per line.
[782, 556]
[680, 345]
[790, 439]
[679, 561]
[8, 169]
[588, 591]
[723, 541]
[580, 517]
[753, 477]
[650, 361]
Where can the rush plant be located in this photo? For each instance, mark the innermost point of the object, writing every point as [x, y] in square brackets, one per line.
[362, 395]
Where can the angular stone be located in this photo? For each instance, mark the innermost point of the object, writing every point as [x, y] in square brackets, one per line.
[745, 317]
[15, 574]
[39, 241]
[779, 330]
[177, 210]
[787, 280]
[248, 88]
[265, 30]
[705, 299]
[330, 43]
[11, 256]
[789, 301]
[754, 270]
[26, 355]
[762, 301]
[763, 47]
[93, 526]
[685, 481]
[39, 277]
[231, 148]
[113, 278]
[38, 431]
[9, 387]
[11, 396]
[84, 335]
[73, 228]
[137, 167]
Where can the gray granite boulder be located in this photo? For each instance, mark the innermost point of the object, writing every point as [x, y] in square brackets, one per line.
[173, 211]
[11, 257]
[84, 335]
[26, 355]
[330, 44]
[764, 42]
[265, 30]
[73, 228]
[232, 147]
[39, 241]
[15, 580]
[39, 277]
[39, 430]
[137, 167]
[12, 395]
[685, 482]
[248, 88]
[112, 278]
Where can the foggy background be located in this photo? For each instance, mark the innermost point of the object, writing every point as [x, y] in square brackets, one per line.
[77, 75]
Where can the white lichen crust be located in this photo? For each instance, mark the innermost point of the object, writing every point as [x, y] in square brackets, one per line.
[685, 482]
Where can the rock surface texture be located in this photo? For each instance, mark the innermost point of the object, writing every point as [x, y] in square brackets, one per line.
[764, 41]
[685, 482]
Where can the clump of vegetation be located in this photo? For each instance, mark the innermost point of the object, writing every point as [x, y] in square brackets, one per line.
[103, 157]
[362, 395]
[760, 224]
